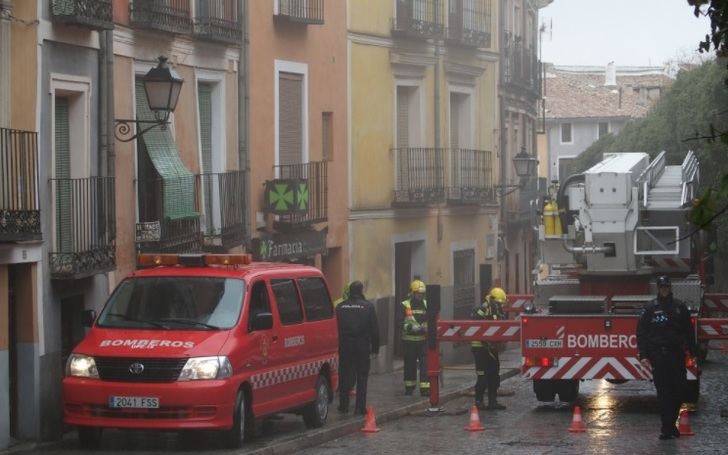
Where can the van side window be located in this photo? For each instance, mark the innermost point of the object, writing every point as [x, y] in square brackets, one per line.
[316, 299]
[258, 302]
[289, 307]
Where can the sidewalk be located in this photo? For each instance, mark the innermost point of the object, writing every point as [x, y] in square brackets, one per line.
[386, 395]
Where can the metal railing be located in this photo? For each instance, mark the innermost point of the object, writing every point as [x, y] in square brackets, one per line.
[419, 18]
[217, 20]
[316, 174]
[690, 171]
[95, 14]
[470, 179]
[303, 11]
[19, 205]
[419, 175]
[84, 229]
[171, 16]
[651, 174]
[223, 209]
[469, 22]
[157, 230]
[521, 67]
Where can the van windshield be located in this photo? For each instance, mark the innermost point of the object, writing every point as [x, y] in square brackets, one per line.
[175, 303]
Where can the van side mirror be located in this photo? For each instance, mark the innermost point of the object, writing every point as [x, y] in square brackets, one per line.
[88, 318]
[262, 321]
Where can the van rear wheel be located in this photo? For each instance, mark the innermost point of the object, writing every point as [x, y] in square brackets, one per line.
[315, 414]
[89, 437]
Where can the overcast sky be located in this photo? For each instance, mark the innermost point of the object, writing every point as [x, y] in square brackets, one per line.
[628, 32]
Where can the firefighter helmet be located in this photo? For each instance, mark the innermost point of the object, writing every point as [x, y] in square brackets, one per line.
[417, 286]
[498, 294]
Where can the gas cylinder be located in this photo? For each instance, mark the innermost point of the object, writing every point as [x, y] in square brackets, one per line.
[549, 210]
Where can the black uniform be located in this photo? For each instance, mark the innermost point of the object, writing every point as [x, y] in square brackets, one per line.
[664, 333]
[487, 363]
[358, 337]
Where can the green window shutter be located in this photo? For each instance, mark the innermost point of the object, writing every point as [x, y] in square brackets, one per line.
[178, 182]
[204, 101]
[62, 156]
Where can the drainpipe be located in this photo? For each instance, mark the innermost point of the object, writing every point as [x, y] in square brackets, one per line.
[106, 163]
[243, 109]
[438, 150]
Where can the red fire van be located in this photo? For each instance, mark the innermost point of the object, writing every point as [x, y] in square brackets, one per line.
[205, 342]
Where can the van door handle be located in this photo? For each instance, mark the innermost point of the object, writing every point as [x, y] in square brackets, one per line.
[275, 337]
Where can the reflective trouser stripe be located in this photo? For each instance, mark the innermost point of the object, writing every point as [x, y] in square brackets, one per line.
[413, 337]
[479, 373]
[424, 385]
[410, 383]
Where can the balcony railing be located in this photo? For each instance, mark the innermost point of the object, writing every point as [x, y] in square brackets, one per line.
[84, 227]
[316, 175]
[19, 207]
[419, 18]
[217, 20]
[159, 228]
[301, 11]
[95, 14]
[469, 22]
[223, 206]
[171, 16]
[521, 68]
[419, 176]
[470, 180]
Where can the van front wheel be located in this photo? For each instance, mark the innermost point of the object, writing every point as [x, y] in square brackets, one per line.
[315, 414]
[237, 435]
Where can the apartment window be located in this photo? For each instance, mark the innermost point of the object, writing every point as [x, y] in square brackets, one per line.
[460, 116]
[327, 136]
[603, 129]
[566, 133]
[566, 167]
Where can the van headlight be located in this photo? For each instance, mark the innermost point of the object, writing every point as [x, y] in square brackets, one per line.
[82, 366]
[198, 368]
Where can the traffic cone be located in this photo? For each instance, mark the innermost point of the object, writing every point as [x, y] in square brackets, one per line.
[683, 425]
[474, 424]
[370, 426]
[577, 426]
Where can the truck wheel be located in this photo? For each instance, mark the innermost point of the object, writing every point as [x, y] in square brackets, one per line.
[692, 391]
[315, 414]
[568, 390]
[239, 433]
[544, 389]
[89, 437]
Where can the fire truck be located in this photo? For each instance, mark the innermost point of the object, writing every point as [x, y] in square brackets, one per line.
[604, 236]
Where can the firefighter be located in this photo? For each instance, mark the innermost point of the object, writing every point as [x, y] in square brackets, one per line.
[344, 295]
[358, 339]
[487, 364]
[664, 334]
[414, 334]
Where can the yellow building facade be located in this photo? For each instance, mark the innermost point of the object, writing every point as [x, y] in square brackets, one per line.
[423, 122]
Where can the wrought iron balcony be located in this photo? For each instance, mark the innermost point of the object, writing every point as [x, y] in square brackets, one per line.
[301, 11]
[469, 22]
[312, 202]
[95, 14]
[84, 220]
[521, 67]
[171, 16]
[19, 207]
[470, 180]
[168, 217]
[217, 20]
[223, 207]
[419, 18]
[419, 176]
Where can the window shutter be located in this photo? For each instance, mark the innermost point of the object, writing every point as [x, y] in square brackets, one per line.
[402, 117]
[62, 155]
[205, 106]
[290, 125]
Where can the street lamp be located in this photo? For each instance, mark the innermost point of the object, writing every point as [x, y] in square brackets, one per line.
[525, 166]
[162, 86]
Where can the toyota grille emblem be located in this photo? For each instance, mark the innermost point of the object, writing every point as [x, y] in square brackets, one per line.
[136, 368]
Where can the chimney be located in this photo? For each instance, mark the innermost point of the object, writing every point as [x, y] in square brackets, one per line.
[610, 75]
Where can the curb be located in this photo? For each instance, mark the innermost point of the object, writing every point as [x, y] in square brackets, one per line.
[318, 437]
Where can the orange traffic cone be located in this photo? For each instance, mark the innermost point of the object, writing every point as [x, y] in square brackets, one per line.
[474, 424]
[370, 426]
[683, 425]
[577, 426]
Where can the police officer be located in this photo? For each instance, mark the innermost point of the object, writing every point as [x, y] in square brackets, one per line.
[664, 333]
[358, 338]
[487, 363]
[414, 332]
